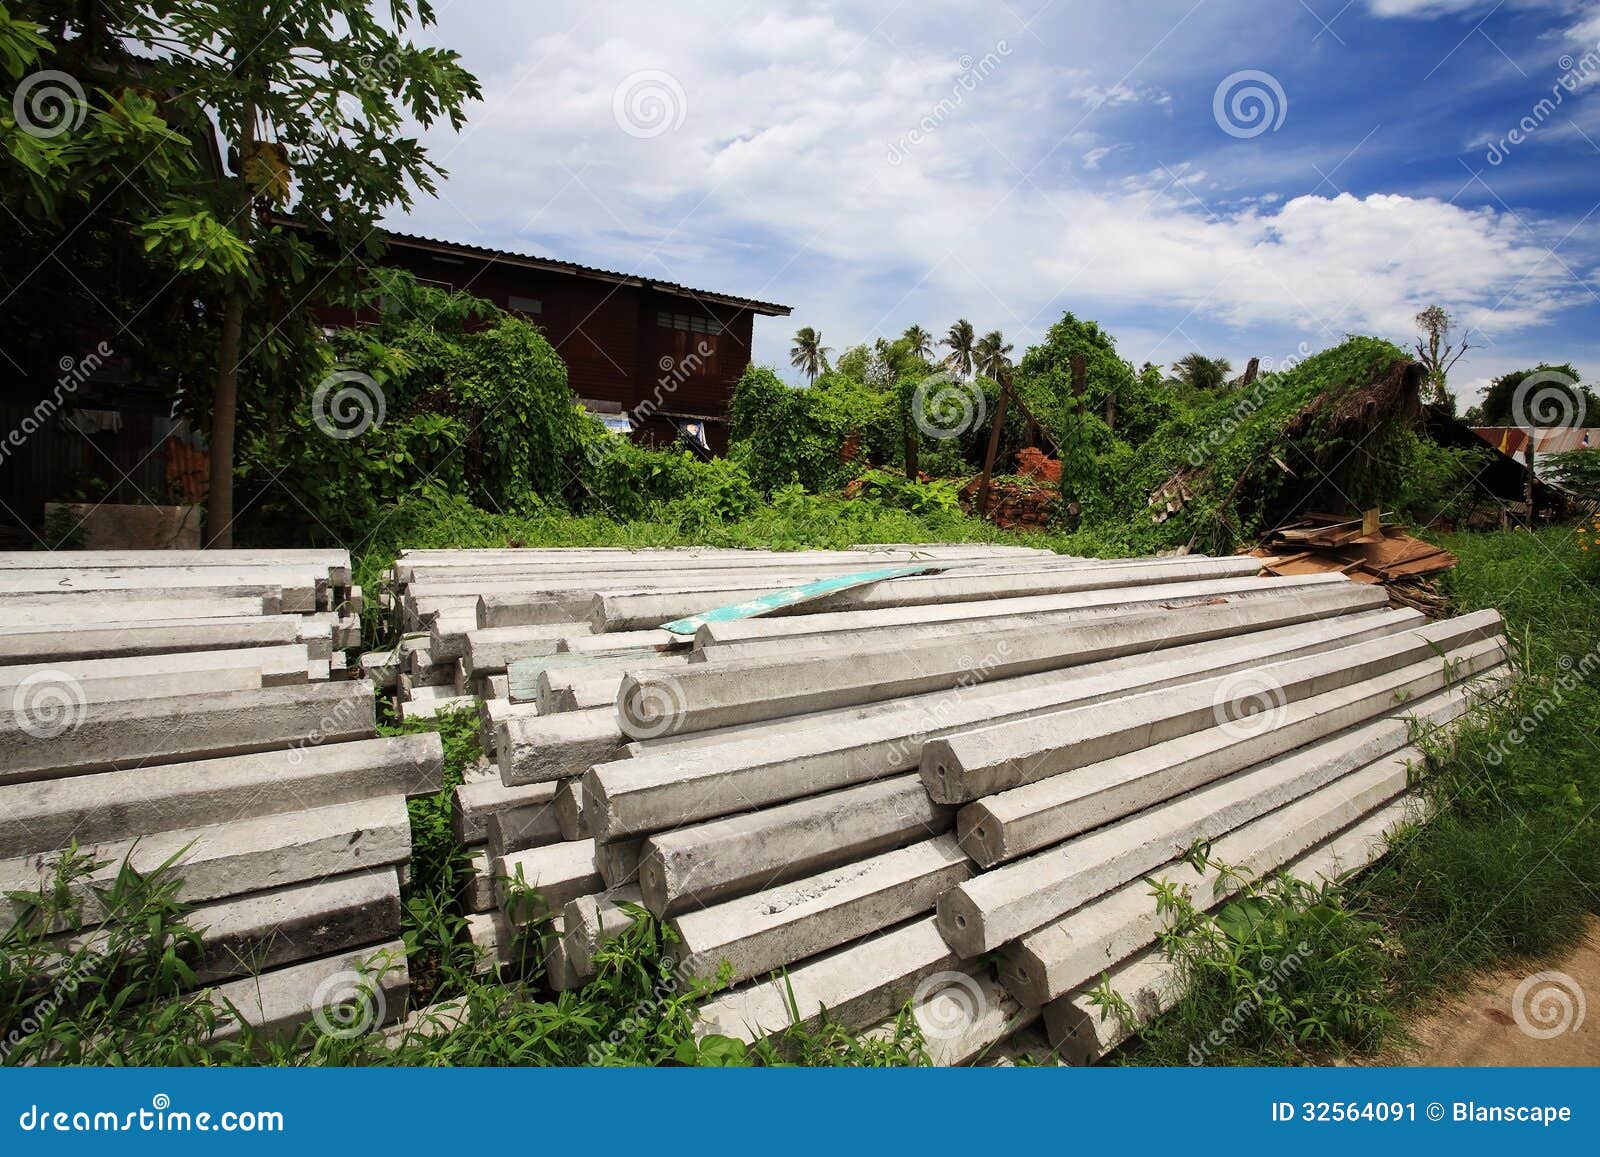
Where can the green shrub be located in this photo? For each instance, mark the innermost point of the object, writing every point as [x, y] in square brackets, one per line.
[443, 388]
[782, 434]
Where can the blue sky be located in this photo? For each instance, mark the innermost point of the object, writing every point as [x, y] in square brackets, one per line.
[1239, 177]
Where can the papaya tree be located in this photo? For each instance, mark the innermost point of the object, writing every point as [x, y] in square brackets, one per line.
[299, 116]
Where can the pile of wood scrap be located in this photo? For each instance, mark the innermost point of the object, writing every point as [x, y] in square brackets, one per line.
[1363, 549]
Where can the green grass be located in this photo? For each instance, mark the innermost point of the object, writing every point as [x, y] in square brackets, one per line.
[1503, 874]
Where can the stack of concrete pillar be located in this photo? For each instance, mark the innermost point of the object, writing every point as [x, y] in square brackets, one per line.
[67, 606]
[946, 787]
[178, 706]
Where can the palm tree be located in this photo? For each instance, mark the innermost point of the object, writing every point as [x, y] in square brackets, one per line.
[960, 342]
[809, 355]
[993, 354]
[1202, 373]
[919, 342]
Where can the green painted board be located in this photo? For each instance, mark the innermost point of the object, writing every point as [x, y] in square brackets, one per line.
[766, 604]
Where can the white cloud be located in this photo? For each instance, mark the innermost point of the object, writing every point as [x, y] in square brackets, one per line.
[859, 178]
[1092, 158]
[1429, 9]
[1423, 9]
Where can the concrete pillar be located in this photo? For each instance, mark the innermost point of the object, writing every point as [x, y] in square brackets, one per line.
[556, 746]
[694, 777]
[961, 768]
[478, 890]
[235, 858]
[710, 695]
[278, 665]
[276, 1004]
[488, 651]
[281, 926]
[704, 863]
[556, 872]
[518, 829]
[47, 815]
[1072, 951]
[569, 811]
[618, 862]
[134, 732]
[1013, 823]
[589, 921]
[781, 926]
[21, 645]
[983, 913]
[858, 984]
[983, 608]
[473, 804]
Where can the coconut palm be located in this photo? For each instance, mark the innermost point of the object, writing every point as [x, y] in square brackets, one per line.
[1202, 373]
[919, 342]
[993, 354]
[808, 354]
[960, 341]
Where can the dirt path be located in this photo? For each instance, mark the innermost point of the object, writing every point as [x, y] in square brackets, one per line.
[1527, 1016]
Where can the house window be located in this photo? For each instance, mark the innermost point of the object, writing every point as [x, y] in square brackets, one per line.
[524, 304]
[690, 323]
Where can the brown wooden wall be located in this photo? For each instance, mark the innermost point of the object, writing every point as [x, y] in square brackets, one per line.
[612, 336]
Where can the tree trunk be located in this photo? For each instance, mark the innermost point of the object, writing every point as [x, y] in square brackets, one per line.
[225, 402]
[909, 430]
[224, 409]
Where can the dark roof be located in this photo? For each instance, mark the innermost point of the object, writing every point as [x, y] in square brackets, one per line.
[1501, 475]
[528, 261]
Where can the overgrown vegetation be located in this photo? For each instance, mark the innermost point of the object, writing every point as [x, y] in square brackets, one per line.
[188, 154]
